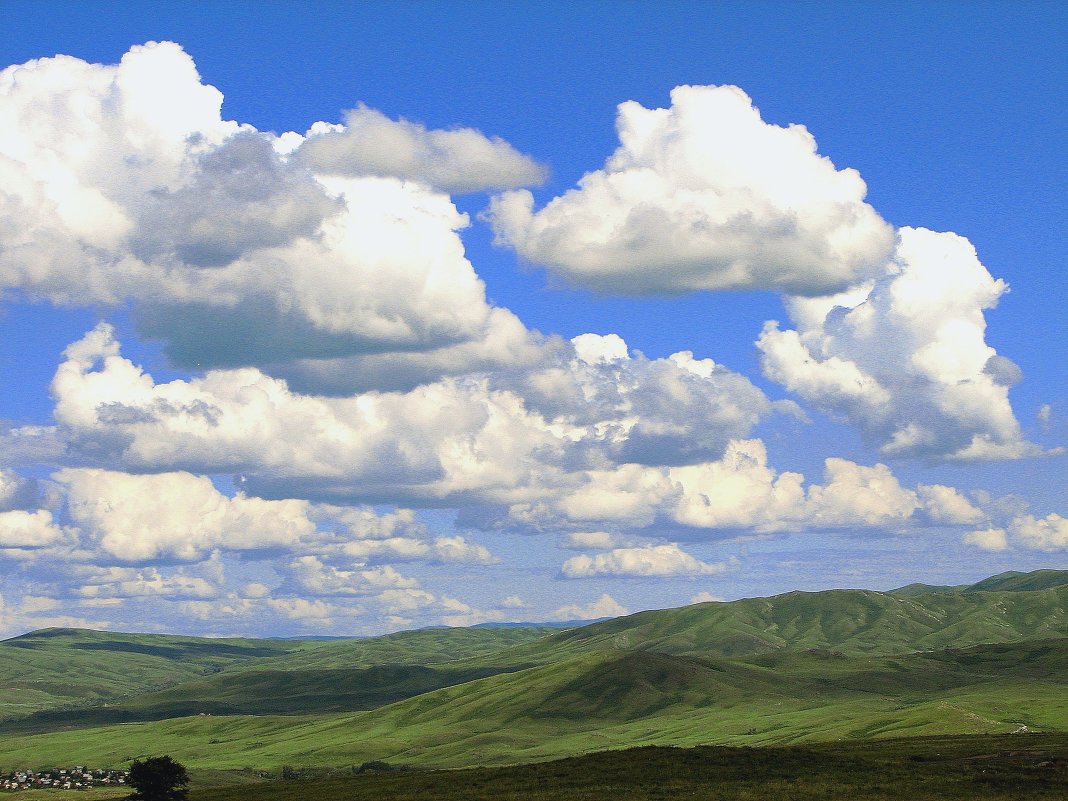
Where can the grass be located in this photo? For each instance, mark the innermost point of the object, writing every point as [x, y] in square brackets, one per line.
[72, 669]
[615, 700]
[921, 769]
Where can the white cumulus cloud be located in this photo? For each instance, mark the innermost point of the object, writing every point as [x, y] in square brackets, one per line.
[704, 195]
[905, 358]
[136, 518]
[605, 606]
[988, 539]
[22, 530]
[1049, 533]
[122, 184]
[651, 560]
[501, 436]
[455, 161]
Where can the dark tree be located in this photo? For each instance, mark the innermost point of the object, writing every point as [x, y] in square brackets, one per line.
[158, 779]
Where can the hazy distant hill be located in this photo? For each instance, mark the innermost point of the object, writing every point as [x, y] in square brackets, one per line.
[57, 667]
[78, 668]
[1003, 582]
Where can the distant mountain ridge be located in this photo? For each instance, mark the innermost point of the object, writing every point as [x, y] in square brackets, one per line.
[1012, 581]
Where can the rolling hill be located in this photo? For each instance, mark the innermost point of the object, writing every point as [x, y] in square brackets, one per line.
[989, 658]
[78, 670]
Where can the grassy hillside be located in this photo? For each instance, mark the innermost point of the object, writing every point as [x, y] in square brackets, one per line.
[851, 621]
[261, 692]
[71, 669]
[437, 646]
[798, 667]
[612, 700]
[1021, 582]
[1004, 582]
[64, 667]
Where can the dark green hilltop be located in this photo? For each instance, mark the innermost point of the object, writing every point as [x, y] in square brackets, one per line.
[895, 670]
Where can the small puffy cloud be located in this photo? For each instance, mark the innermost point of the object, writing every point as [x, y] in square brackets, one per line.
[738, 491]
[946, 505]
[605, 606]
[629, 494]
[597, 349]
[705, 597]
[456, 161]
[741, 491]
[441, 550]
[650, 560]
[857, 495]
[904, 358]
[1049, 533]
[136, 518]
[363, 523]
[145, 582]
[306, 610]
[988, 539]
[704, 195]
[513, 602]
[583, 540]
[21, 530]
[312, 576]
[17, 492]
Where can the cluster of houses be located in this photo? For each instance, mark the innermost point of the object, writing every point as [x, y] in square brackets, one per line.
[77, 778]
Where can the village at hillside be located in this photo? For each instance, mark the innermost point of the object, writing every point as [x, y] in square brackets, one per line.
[77, 778]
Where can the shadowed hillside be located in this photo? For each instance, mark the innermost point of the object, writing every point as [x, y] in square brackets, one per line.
[921, 769]
[73, 669]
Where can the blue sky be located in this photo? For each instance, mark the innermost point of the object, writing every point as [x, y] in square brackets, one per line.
[372, 401]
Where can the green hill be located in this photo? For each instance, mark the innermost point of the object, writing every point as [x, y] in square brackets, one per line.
[613, 700]
[73, 669]
[797, 667]
[851, 621]
[261, 692]
[63, 667]
[1022, 582]
[1004, 582]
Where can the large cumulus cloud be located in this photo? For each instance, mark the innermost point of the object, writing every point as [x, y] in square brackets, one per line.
[704, 195]
[905, 357]
[122, 184]
[498, 437]
[742, 492]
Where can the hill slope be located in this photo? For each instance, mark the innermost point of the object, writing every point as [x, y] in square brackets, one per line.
[794, 667]
[69, 669]
[62, 667]
[612, 700]
[1004, 582]
[851, 621]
